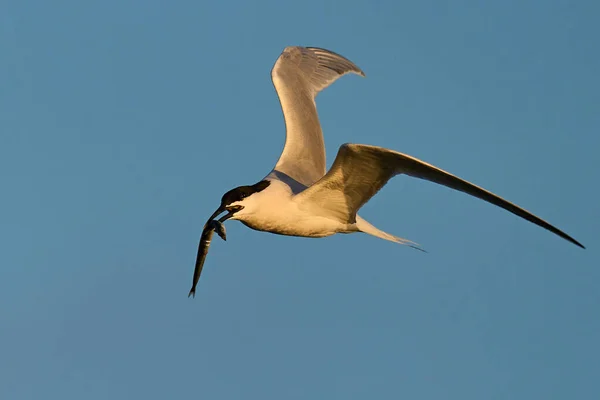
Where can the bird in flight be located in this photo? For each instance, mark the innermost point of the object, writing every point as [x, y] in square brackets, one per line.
[299, 197]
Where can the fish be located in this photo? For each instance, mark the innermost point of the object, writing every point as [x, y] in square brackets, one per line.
[205, 239]
[220, 229]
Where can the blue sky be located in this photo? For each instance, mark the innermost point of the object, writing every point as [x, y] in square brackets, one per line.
[123, 122]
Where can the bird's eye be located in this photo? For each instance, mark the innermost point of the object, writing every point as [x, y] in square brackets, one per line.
[243, 196]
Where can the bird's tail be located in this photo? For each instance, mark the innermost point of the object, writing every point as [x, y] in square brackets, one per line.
[366, 227]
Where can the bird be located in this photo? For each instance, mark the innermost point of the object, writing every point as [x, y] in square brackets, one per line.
[299, 197]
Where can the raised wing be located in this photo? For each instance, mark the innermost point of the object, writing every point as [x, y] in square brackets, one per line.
[299, 74]
[360, 171]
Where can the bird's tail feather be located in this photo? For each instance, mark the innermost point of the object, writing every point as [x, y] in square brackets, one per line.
[366, 227]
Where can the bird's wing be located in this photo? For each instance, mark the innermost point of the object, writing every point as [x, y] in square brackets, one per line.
[298, 75]
[359, 171]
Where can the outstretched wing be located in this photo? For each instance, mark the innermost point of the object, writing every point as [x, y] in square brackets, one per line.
[299, 74]
[360, 171]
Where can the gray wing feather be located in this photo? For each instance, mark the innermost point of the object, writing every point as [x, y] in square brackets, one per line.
[360, 171]
[299, 74]
[322, 67]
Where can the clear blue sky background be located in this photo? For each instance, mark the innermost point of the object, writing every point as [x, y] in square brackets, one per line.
[123, 122]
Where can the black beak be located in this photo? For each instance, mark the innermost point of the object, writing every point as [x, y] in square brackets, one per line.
[230, 211]
[216, 213]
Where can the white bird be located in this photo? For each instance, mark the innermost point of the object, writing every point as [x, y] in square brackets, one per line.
[299, 197]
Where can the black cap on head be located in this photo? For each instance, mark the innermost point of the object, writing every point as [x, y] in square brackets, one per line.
[241, 192]
[237, 194]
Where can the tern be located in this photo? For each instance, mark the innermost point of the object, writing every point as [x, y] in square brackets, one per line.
[299, 197]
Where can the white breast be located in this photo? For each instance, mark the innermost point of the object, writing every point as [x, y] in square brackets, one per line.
[274, 210]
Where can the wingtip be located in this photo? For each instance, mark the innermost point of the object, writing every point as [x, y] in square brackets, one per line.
[570, 239]
[420, 249]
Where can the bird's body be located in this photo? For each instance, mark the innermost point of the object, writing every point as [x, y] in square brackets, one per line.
[299, 197]
[277, 210]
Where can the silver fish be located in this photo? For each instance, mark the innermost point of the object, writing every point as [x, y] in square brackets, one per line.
[205, 239]
[220, 229]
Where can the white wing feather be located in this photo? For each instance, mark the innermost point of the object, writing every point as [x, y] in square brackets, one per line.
[299, 74]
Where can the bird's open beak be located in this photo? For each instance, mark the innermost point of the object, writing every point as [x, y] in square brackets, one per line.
[230, 211]
[220, 210]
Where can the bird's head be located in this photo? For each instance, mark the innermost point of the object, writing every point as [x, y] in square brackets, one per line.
[239, 201]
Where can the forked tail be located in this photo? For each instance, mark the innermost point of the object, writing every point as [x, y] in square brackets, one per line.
[366, 227]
